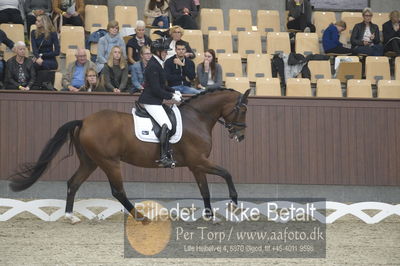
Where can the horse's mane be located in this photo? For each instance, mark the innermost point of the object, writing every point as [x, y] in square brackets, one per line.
[208, 91]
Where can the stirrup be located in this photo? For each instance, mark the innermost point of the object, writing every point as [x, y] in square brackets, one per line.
[166, 162]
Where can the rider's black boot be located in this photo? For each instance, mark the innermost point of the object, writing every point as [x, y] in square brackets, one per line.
[165, 158]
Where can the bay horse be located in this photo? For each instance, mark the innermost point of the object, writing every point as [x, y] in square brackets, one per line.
[105, 138]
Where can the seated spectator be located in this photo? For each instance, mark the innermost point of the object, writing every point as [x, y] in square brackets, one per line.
[10, 44]
[184, 13]
[20, 72]
[9, 12]
[92, 82]
[209, 73]
[331, 36]
[300, 12]
[137, 70]
[70, 11]
[115, 71]
[365, 36]
[74, 77]
[391, 33]
[180, 70]
[156, 13]
[135, 44]
[176, 33]
[45, 44]
[107, 42]
[34, 8]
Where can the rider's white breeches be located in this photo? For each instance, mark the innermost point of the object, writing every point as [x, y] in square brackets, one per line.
[158, 113]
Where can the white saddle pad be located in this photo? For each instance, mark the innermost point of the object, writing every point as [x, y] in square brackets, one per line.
[144, 127]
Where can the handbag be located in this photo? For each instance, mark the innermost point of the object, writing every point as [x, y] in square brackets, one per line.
[40, 46]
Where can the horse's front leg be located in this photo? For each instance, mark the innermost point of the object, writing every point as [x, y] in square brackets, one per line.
[213, 169]
[201, 180]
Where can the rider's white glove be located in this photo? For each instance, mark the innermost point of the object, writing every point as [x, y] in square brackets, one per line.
[177, 97]
[179, 93]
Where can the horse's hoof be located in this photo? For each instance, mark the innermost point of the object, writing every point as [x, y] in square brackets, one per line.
[216, 220]
[145, 221]
[72, 218]
[232, 206]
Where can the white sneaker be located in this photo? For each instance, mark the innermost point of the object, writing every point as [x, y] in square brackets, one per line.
[307, 30]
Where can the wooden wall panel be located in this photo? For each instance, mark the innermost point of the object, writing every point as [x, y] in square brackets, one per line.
[288, 140]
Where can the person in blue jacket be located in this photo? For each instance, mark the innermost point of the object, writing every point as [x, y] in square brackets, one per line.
[331, 36]
[138, 68]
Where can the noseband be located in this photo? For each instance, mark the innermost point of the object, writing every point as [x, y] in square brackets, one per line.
[234, 127]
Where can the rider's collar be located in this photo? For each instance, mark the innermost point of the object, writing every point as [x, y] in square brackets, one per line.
[161, 62]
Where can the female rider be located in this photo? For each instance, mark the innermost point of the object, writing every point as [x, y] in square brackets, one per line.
[155, 91]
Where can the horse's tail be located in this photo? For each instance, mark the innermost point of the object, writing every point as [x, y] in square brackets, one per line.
[30, 173]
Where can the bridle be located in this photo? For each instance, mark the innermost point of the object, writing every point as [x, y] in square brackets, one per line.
[233, 126]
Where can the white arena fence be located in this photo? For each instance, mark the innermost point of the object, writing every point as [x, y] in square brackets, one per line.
[111, 207]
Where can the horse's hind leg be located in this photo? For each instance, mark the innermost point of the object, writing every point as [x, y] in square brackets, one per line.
[86, 167]
[113, 171]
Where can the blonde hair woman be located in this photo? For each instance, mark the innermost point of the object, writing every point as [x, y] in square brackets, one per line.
[115, 71]
[45, 44]
[176, 33]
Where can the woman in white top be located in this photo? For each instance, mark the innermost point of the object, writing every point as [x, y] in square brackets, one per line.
[365, 36]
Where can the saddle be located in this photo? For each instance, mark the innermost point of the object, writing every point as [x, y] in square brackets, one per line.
[141, 112]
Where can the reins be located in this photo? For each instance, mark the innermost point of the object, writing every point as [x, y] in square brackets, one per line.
[228, 125]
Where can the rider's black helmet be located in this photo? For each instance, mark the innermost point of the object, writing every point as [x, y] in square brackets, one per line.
[159, 45]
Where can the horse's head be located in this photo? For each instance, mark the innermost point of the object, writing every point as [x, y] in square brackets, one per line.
[235, 119]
